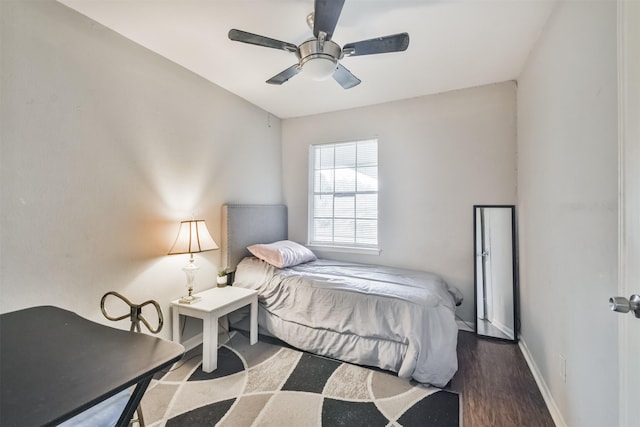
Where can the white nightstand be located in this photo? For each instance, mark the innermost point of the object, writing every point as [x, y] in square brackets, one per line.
[214, 303]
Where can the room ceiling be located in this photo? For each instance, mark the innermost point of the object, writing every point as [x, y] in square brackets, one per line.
[454, 45]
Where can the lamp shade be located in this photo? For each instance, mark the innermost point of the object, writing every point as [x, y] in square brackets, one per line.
[193, 237]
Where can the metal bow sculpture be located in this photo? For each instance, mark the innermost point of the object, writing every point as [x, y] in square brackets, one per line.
[135, 313]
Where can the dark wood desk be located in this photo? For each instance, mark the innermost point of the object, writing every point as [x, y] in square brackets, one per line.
[55, 364]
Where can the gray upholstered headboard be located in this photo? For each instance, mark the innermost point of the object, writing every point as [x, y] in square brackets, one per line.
[245, 225]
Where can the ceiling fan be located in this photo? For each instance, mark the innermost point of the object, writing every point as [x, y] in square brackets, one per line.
[319, 56]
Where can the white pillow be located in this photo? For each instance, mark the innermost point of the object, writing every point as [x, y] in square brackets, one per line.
[284, 253]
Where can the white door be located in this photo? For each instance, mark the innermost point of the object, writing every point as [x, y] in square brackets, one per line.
[629, 205]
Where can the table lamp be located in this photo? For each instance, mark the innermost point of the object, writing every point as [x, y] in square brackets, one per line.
[193, 237]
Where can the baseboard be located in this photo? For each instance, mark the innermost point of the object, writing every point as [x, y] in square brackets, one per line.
[542, 385]
[463, 325]
[192, 342]
[503, 328]
[196, 340]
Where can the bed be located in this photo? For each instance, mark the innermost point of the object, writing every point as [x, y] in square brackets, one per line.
[394, 319]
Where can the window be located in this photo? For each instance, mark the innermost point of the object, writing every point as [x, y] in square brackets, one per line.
[343, 196]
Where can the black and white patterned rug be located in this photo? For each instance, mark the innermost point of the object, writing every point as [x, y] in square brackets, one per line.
[270, 385]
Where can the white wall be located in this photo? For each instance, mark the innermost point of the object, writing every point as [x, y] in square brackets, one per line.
[438, 156]
[567, 195]
[105, 147]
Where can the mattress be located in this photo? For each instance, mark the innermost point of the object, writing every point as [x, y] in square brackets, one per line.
[395, 319]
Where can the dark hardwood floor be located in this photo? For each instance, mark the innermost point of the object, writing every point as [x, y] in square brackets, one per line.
[496, 385]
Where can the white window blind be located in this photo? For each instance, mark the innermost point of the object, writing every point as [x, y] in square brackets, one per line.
[343, 199]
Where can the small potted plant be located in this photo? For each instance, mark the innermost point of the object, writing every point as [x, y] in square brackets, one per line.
[222, 278]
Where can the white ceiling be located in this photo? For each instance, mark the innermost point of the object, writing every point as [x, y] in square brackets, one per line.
[454, 45]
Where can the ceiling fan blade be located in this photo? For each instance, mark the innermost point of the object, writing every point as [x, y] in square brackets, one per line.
[345, 78]
[285, 75]
[394, 43]
[250, 38]
[325, 16]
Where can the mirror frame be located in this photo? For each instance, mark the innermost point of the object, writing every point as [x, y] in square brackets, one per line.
[514, 252]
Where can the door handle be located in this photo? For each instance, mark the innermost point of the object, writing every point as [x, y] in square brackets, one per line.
[623, 305]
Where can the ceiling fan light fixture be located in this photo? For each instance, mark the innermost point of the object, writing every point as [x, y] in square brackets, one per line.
[319, 60]
[319, 68]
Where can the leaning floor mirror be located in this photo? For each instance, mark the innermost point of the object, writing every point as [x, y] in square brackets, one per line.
[495, 271]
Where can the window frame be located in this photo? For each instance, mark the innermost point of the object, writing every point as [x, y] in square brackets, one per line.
[336, 246]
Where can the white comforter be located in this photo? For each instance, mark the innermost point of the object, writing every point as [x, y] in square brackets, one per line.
[395, 319]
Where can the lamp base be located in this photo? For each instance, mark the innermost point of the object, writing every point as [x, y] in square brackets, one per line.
[189, 299]
[190, 270]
